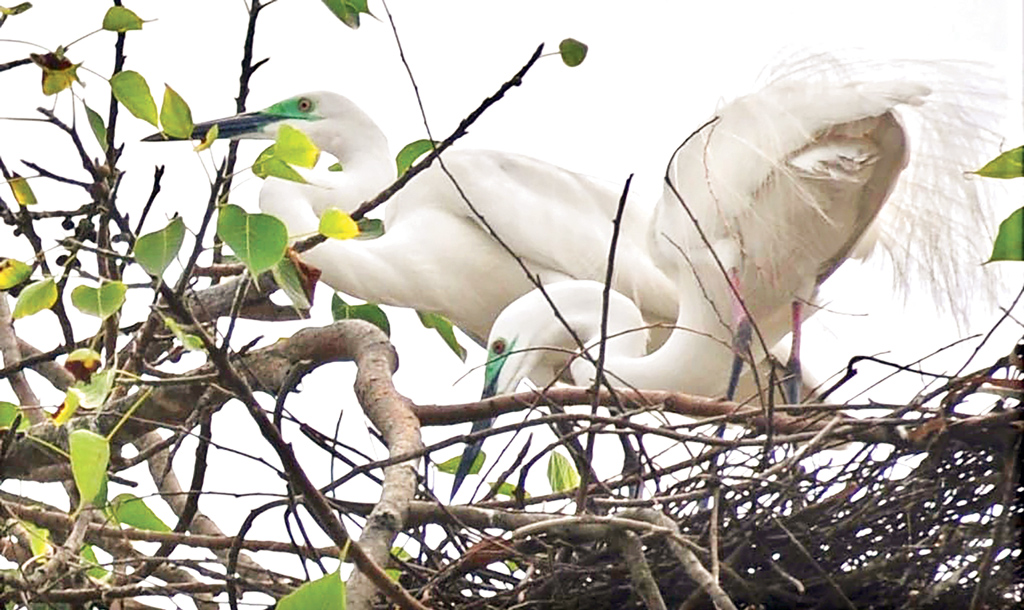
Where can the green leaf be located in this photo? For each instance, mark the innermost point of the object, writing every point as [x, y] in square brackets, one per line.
[190, 342]
[562, 474]
[411, 152]
[132, 91]
[1009, 243]
[120, 19]
[269, 165]
[35, 297]
[338, 225]
[507, 489]
[295, 148]
[340, 310]
[8, 413]
[155, 251]
[258, 240]
[97, 571]
[336, 167]
[443, 328]
[22, 191]
[325, 593]
[101, 302]
[13, 272]
[38, 538]
[573, 52]
[348, 11]
[98, 128]
[93, 393]
[90, 454]
[16, 9]
[370, 228]
[289, 279]
[1010, 164]
[175, 115]
[130, 510]
[452, 466]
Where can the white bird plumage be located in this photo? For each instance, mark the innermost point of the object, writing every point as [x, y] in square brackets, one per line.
[436, 254]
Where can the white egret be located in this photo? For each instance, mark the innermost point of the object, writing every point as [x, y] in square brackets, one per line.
[784, 185]
[435, 254]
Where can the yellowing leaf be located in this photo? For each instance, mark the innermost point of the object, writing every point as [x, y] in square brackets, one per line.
[175, 115]
[13, 272]
[22, 191]
[258, 240]
[82, 363]
[72, 399]
[16, 9]
[573, 52]
[338, 225]
[295, 148]
[58, 71]
[208, 139]
[101, 302]
[120, 19]
[35, 297]
[130, 88]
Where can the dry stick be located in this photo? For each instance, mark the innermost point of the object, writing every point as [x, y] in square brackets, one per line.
[599, 377]
[691, 564]
[313, 499]
[810, 558]
[999, 527]
[644, 584]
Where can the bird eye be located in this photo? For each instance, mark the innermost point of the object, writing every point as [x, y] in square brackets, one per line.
[498, 347]
[305, 104]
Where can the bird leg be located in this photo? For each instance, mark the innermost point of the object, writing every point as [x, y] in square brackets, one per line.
[740, 339]
[794, 377]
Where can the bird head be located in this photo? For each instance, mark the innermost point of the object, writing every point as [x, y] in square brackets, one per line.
[325, 117]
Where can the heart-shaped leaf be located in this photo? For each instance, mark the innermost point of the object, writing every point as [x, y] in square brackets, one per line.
[259, 240]
[101, 302]
[35, 297]
[155, 251]
[120, 19]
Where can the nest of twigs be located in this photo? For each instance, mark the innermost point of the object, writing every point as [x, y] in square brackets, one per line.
[920, 509]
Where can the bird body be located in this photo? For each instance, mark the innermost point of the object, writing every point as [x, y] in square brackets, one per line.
[436, 254]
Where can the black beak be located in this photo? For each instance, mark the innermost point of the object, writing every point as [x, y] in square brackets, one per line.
[230, 128]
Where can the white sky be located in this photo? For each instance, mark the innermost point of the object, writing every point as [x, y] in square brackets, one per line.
[655, 71]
